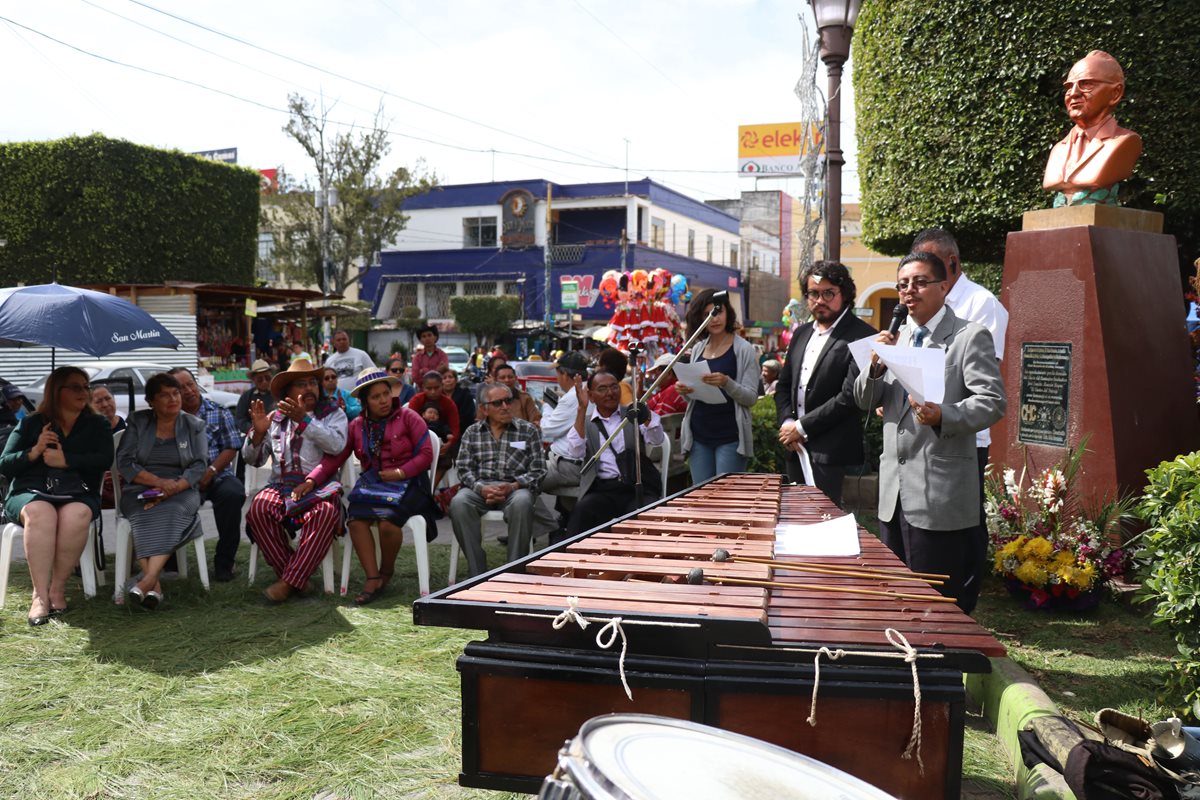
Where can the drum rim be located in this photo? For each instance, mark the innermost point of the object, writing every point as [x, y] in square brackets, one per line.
[596, 780]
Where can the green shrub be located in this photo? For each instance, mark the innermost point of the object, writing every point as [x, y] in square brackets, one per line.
[958, 103]
[768, 453]
[98, 210]
[1169, 563]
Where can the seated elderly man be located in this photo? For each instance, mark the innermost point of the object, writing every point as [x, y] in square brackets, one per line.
[500, 467]
[608, 486]
[306, 426]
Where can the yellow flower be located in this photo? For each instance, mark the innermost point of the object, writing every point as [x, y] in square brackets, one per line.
[1064, 558]
[1037, 547]
[1031, 573]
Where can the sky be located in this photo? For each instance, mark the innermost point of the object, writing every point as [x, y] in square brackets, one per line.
[566, 90]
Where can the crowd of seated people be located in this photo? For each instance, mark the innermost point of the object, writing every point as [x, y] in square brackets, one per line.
[183, 450]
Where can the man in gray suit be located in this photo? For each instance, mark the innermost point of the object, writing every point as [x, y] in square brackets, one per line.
[928, 483]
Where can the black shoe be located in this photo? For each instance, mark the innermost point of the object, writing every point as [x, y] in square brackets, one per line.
[502, 539]
[36, 621]
[223, 574]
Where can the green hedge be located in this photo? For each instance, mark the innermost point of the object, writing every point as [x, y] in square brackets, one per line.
[958, 103]
[106, 210]
[1169, 562]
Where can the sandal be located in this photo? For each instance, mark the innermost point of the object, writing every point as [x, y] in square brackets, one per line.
[364, 597]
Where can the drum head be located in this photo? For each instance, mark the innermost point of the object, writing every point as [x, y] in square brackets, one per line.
[644, 757]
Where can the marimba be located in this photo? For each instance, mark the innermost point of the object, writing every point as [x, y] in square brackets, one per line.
[742, 650]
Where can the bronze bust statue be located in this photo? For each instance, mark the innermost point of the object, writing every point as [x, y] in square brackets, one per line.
[1088, 165]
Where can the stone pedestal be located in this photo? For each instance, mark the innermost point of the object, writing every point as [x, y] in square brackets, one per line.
[1096, 344]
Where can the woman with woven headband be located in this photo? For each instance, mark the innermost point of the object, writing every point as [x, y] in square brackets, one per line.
[392, 444]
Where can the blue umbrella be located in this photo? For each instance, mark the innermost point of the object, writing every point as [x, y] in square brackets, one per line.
[89, 322]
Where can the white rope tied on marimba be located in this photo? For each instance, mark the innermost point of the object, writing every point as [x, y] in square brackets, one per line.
[896, 638]
[909, 654]
[606, 637]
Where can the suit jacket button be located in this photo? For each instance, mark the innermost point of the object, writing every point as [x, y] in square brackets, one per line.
[901, 460]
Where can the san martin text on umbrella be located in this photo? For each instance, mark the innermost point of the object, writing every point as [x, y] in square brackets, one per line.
[136, 336]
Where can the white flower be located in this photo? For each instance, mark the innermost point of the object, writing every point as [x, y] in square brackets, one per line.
[1054, 486]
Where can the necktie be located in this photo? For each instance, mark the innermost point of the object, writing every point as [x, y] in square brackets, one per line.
[918, 340]
[1076, 149]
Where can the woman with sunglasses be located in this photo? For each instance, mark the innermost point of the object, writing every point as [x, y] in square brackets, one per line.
[347, 401]
[56, 458]
[400, 390]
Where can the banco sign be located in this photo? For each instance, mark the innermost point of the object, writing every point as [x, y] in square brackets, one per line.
[776, 148]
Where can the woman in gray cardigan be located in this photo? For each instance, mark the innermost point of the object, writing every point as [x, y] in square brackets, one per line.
[161, 458]
[717, 436]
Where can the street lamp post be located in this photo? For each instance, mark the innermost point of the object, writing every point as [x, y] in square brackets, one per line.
[835, 23]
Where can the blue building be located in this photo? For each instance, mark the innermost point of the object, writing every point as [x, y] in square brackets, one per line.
[490, 238]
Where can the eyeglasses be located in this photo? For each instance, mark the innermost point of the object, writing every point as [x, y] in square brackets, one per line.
[1087, 85]
[607, 389]
[75, 387]
[917, 284]
[823, 294]
[398, 370]
[502, 402]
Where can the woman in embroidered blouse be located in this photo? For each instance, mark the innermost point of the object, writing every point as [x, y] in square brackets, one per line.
[390, 439]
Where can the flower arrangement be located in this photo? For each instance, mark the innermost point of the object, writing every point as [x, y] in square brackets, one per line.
[1046, 543]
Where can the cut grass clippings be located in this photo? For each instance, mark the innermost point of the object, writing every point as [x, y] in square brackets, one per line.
[219, 695]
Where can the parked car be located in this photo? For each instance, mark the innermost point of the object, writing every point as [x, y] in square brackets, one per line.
[459, 358]
[535, 377]
[114, 374]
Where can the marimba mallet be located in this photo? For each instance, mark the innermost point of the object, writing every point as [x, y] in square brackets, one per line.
[931, 598]
[721, 555]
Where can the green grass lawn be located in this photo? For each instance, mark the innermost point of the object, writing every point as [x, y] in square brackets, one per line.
[220, 695]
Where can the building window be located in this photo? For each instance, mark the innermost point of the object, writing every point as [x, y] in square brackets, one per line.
[437, 300]
[406, 297]
[513, 288]
[266, 246]
[479, 231]
[754, 263]
[477, 288]
[733, 257]
[691, 243]
[658, 233]
[710, 249]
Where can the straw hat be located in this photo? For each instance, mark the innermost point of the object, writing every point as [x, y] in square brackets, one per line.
[299, 368]
[258, 366]
[369, 376]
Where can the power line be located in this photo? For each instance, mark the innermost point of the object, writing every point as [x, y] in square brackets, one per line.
[632, 49]
[365, 85]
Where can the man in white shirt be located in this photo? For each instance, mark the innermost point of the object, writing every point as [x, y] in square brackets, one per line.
[347, 361]
[969, 301]
[562, 471]
[608, 486]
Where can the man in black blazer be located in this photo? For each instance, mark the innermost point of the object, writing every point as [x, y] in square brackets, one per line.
[814, 398]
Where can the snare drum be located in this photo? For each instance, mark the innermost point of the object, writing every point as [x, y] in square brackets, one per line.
[643, 757]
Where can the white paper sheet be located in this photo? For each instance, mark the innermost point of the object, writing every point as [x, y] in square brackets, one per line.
[832, 537]
[691, 375]
[920, 370]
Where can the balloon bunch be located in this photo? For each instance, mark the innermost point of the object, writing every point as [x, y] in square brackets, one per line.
[793, 313]
[644, 306]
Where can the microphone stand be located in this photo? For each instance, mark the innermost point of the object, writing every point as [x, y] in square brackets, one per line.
[591, 462]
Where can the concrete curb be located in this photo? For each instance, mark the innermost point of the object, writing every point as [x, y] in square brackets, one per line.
[1009, 699]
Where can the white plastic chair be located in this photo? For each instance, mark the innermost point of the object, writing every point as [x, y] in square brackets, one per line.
[87, 560]
[256, 479]
[124, 554]
[414, 528]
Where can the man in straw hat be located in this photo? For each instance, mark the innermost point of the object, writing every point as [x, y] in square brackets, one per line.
[260, 377]
[305, 427]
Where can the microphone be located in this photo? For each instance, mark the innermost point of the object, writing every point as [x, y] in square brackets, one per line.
[899, 314]
[721, 295]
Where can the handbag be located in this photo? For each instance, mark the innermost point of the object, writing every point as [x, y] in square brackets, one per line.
[371, 490]
[294, 508]
[61, 485]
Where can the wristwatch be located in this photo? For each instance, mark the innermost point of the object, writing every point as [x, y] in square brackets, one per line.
[212, 469]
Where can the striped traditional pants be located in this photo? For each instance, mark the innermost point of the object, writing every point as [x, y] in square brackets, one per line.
[318, 526]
